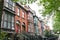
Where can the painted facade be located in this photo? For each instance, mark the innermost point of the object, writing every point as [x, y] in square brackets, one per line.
[8, 15]
[36, 24]
[8, 18]
[30, 22]
[39, 27]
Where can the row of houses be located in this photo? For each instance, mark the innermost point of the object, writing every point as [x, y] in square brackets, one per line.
[16, 18]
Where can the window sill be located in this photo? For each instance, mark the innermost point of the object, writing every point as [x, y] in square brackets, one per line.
[8, 29]
[22, 17]
[18, 15]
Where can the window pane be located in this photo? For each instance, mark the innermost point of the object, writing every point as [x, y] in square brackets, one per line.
[23, 14]
[28, 28]
[5, 24]
[13, 22]
[12, 19]
[6, 3]
[5, 17]
[10, 4]
[13, 6]
[13, 26]
[9, 18]
[18, 11]
[9, 25]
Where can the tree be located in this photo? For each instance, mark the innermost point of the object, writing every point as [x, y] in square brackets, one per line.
[52, 5]
[24, 2]
[2, 35]
[46, 33]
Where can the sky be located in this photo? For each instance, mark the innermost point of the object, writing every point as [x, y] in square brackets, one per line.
[35, 7]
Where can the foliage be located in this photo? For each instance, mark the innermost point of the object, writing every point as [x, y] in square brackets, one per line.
[52, 5]
[2, 35]
[25, 1]
[46, 33]
[22, 35]
[49, 34]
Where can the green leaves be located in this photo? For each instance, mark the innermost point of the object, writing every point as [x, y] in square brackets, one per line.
[57, 26]
[24, 2]
[2, 35]
[49, 6]
[57, 21]
[46, 33]
[14, 0]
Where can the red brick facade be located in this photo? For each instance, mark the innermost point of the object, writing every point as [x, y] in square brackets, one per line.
[22, 18]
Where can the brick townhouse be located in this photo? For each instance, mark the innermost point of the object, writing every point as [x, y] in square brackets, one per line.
[21, 18]
[31, 29]
[39, 27]
[36, 24]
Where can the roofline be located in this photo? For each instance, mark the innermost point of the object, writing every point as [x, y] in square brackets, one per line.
[22, 6]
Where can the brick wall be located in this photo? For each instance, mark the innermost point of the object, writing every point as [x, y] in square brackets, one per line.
[21, 19]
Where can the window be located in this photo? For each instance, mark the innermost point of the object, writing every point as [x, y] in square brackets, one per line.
[36, 29]
[23, 27]
[30, 16]
[18, 11]
[6, 3]
[5, 24]
[23, 24]
[18, 22]
[12, 22]
[8, 20]
[30, 27]
[9, 4]
[23, 14]
[5, 20]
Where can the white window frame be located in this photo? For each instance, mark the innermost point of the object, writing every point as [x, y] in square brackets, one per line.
[23, 14]
[18, 13]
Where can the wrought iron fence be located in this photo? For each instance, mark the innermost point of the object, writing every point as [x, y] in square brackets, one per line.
[36, 37]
